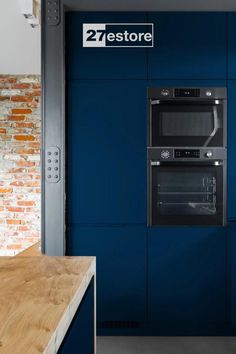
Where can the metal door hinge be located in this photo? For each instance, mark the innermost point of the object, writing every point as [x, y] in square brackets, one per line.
[53, 15]
[53, 164]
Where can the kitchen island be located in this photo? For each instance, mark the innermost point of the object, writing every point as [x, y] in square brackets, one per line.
[47, 305]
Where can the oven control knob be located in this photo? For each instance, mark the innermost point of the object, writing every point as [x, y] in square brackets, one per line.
[208, 93]
[165, 92]
[208, 154]
[165, 154]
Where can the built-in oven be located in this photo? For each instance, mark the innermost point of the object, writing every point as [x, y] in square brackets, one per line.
[187, 186]
[187, 117]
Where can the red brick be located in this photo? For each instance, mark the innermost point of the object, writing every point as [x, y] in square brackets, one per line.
[25, 163]
[15, 246]
[21, 99]
[16, 118]
[25, 151]
[32, 184]
[5, 190]
[4, 98]
[15, 222]
[12, 80]
[21, 111]
[17, 184]
[2, 131]
[17, 170]
[23, 228]
[34, 93]
[24, 125]
[35, 145]
[24, 137]
[25, 203]
[15, 209]
[21, 86]
[5, 137]
[5, 78]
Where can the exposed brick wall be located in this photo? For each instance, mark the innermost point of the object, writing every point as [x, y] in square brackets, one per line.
[19, 163]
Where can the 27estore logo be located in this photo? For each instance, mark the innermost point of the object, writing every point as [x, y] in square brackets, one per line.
[105, 35]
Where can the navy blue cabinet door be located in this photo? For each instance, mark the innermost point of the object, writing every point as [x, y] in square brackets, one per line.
[232, 46]
[232, 262]
[121, 268]
[103, 63]
[107, 152]
[188, 46]
[231, 196]
[187, 276]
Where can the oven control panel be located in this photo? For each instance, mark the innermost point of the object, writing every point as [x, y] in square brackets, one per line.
[186, 154]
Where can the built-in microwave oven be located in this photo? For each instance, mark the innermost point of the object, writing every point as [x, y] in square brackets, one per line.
[187, 117]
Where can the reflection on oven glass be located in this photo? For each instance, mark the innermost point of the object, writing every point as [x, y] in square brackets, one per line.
[186, 193]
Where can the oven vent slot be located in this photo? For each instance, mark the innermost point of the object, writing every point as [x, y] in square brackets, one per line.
[118, 324]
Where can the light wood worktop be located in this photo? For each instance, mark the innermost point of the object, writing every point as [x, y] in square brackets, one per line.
[38, 299]
[33, 251]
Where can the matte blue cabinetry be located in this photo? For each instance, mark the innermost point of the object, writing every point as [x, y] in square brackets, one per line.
[186, 270]
[121, 268]
[188, 45]
[231, 150]
[103, 63]
[107, 152]
[232, 46]
[187, 276]
[232, 259]
[187, 82]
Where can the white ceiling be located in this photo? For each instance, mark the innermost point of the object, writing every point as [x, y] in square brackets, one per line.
[152, 5]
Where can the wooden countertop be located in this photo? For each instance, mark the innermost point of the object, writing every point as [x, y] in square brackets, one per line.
[39, 297]
[33, 251]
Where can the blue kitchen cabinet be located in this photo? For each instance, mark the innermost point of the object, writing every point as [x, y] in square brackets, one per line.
[107, 152]
[121, 268]
[187, 278]
[232, 45]
[187, 83]
[103, 63]
[80, 334]
[188, 46]
[231, 195]
[232, 273]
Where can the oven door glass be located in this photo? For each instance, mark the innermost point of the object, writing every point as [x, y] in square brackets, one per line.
[186, 123]
[187, 195]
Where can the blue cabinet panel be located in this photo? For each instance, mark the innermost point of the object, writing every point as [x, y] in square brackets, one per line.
[232, 46]
[231, 196]
[187, 83]
[188, 45]
[187, 277]
[103, 63]
[232, 262]
[121, 268]
[107, 152]
[80, 334]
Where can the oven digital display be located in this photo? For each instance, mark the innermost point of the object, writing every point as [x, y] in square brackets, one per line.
[180, 153]
[185, 92]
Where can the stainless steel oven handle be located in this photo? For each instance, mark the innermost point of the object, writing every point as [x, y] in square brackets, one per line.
[216, 126]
